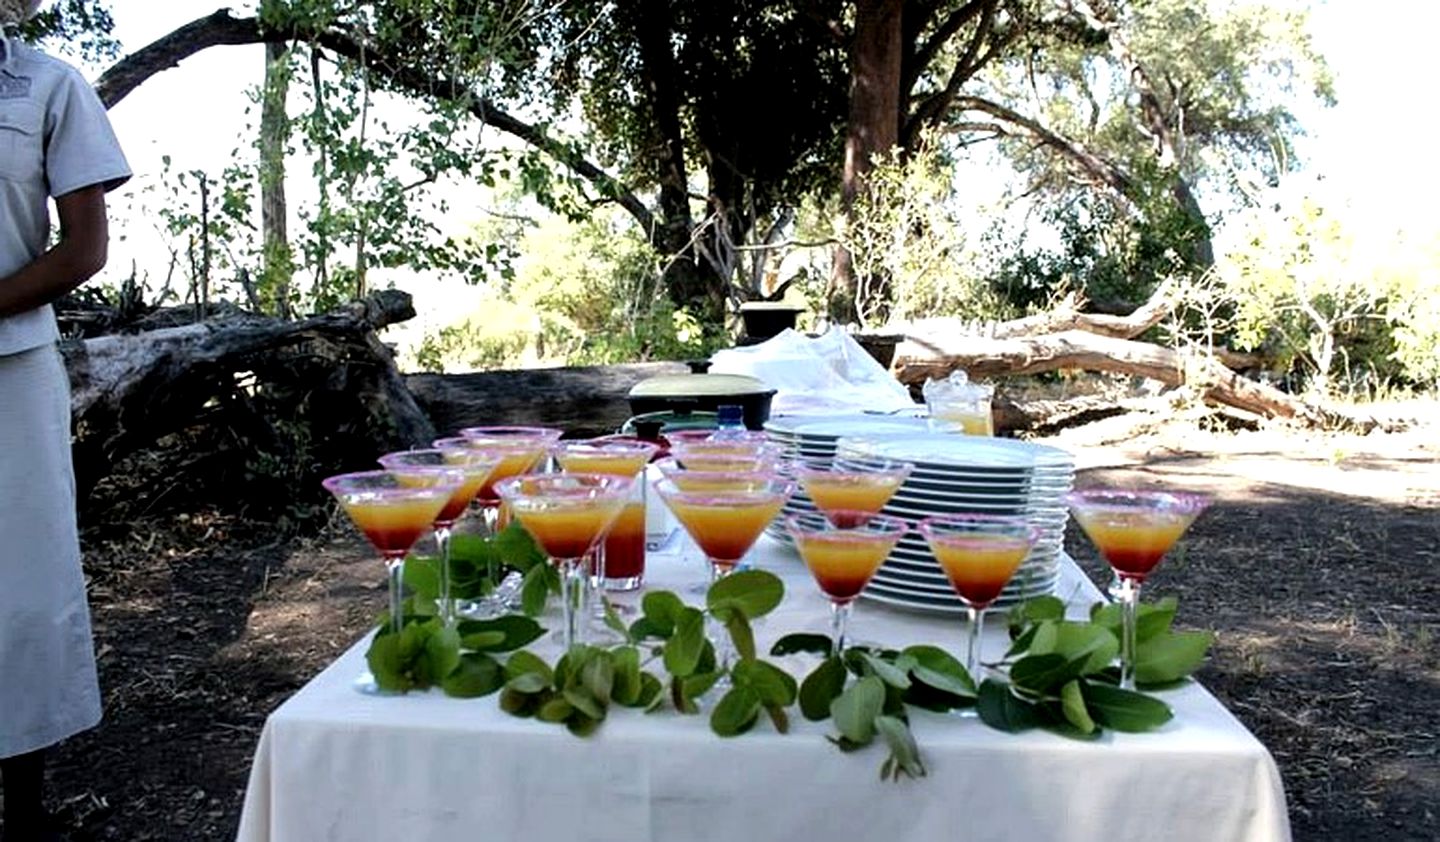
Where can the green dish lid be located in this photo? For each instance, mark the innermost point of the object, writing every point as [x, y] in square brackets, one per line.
[671, 420]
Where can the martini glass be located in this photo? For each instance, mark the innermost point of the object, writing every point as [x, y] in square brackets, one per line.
[568, 514]
[745, 473]
[475, 467]
[619, 561]
[843, 558]
[393, 512]
[523, 448]
[1133, 530]
[979, 554]
[724, 455]
[842, 487]
[687, 436]
[726, 523]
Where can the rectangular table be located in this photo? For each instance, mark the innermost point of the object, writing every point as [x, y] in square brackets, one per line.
[333, 764]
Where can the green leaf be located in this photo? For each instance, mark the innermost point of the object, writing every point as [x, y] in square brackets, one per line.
[904, 753]
[1002, 710]
[514, 631]
[753, 593]
[535, 590]
[815, 644]
[530, 682]
[855, 709]
[741, 634]
[581, 725]
[1043, 674]
[422, 577]
[598, 676]
[1124, 710]
[820, 688]
[584, 702]
[682, 651]
[1167, 658]
[700, 683]
[1037, 610]
[1151, 618]
[613, 621]
[886, 671]
[478, 675]
[652, 692]
[524, 662]
[555, 709]
[386, 664]
[644, 629]
[627, 685]
[517, 548]
[662, 609]
[683, 702]
[1094, 646]
[778, 718]
[773, 685]
[736, 712]
[439, 654]
[941, 670]
[1072, 704]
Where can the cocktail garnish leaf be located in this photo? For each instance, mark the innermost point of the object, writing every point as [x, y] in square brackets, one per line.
[790, 644]
[820, 688]
[754, 593]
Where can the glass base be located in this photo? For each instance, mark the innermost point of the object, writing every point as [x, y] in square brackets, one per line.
[365, 685]
[503, 600]
[624, 583]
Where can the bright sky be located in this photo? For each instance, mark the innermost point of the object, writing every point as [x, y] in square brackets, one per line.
[1372, 150]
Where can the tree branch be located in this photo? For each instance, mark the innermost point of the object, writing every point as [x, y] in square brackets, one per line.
[1106, 172]
[220, 28]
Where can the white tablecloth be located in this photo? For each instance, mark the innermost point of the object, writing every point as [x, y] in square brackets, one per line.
[333, 764]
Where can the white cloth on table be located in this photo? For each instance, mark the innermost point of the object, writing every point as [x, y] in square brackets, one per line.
[335, 764]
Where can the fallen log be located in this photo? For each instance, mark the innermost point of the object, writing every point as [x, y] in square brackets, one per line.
[128, 391]
[918, 359]
[583, 400]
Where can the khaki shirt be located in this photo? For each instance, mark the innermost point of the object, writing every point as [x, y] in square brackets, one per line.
[55, 138]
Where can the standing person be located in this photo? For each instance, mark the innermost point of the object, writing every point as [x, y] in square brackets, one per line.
[55, 141]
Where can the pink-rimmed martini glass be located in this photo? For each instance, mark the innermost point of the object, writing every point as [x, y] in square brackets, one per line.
[979, 555]
[688, 436]
[568, 515]
[725, 524]
[745, 472]
[842, 486]
[741, 455]
[618, 563]
[843, 558]
[393, 510]
[475, 466]
[1133, 530]
[522, 450]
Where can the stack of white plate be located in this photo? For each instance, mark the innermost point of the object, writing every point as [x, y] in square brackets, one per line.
[953, 474]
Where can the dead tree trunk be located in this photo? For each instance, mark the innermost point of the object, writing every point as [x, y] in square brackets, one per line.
[326, 381]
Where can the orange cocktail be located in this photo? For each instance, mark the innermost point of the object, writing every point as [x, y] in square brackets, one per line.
[620, 562]
[393, 513]
[1133, 530]
[568, 515]
[520, 450]
[737, 455]
[851, 485]
[979, 554]
[726, 523]
[843, 558]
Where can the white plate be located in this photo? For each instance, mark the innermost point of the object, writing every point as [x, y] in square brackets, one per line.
[790, 424]
[942, 451]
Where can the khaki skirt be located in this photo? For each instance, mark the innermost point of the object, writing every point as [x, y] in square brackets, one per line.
[48, 686]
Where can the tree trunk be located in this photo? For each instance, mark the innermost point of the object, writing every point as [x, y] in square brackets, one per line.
[876, 55]
[274, 132]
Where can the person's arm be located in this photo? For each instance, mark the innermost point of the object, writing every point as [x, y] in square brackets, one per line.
[80, 253]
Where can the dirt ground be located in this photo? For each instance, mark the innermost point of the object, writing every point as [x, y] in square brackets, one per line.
[1317, 565]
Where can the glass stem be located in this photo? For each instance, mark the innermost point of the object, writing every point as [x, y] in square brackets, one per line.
[571, 590]
[972, 646]
[396, 568]
[1129, 603]
[839, 617]
[597, 583]
[447, 606]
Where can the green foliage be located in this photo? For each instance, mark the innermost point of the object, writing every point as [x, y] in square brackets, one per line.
[1329, 303]
[907, 243]
[587, 293]
[77, 28]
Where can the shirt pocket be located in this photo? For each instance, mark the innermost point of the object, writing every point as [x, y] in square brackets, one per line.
[22, 147]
